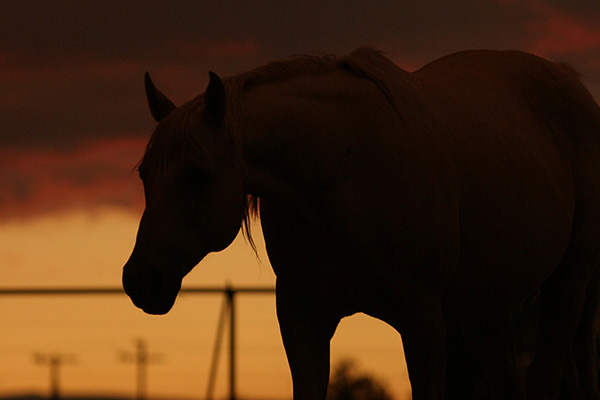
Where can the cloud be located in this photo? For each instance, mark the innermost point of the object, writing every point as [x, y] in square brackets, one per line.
[35, 182]
[557, 32]
[67, 104]
[73, 98]
[73, 114]
[561, 31]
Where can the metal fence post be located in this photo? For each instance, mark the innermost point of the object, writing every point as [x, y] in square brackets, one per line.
[230, 293]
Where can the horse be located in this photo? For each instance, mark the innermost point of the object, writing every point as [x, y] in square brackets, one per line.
[427, 199]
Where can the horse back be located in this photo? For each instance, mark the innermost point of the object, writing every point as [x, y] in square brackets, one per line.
[472, 187]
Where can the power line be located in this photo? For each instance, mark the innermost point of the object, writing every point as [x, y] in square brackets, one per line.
[228, 309]
[214, 365]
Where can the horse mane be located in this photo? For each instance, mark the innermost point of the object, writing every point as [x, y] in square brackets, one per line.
[281, 70]
[180, 143]
[365, 62]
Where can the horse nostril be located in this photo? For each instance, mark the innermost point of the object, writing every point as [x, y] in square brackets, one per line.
[149, 288]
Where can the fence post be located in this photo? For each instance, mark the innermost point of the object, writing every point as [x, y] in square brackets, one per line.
[230, 293]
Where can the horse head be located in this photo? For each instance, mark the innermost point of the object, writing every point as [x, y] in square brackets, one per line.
[195, 199]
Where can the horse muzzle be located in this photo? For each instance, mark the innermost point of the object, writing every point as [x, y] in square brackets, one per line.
[149, 289]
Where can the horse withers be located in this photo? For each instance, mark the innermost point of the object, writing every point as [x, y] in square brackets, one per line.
[437, 198]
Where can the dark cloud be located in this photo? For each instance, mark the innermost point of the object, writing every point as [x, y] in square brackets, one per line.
[71, 71]
[40, 181]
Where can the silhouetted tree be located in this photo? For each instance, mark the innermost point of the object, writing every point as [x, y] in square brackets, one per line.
[348, 384]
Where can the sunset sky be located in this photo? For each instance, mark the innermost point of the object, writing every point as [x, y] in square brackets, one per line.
[74, 123]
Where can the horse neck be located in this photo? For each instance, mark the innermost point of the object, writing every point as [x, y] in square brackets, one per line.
[296, 135]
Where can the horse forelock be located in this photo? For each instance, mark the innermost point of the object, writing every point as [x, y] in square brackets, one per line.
[175, 141]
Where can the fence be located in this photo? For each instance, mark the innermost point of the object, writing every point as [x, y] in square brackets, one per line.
[181, 350]
[142, 357]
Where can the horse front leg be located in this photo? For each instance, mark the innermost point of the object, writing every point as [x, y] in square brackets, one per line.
[306, 331]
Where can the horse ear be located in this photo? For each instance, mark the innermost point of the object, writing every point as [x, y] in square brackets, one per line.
[160, 105]
[214, 98]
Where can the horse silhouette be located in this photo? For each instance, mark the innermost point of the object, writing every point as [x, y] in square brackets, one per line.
[441, 197]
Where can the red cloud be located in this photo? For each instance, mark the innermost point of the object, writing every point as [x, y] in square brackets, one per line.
[558, 33]
[80, 66]
[36, 182]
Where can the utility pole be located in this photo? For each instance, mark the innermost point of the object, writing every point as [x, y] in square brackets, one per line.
[141, 358]
[230, 295]
[55, 361]
[227, 310]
